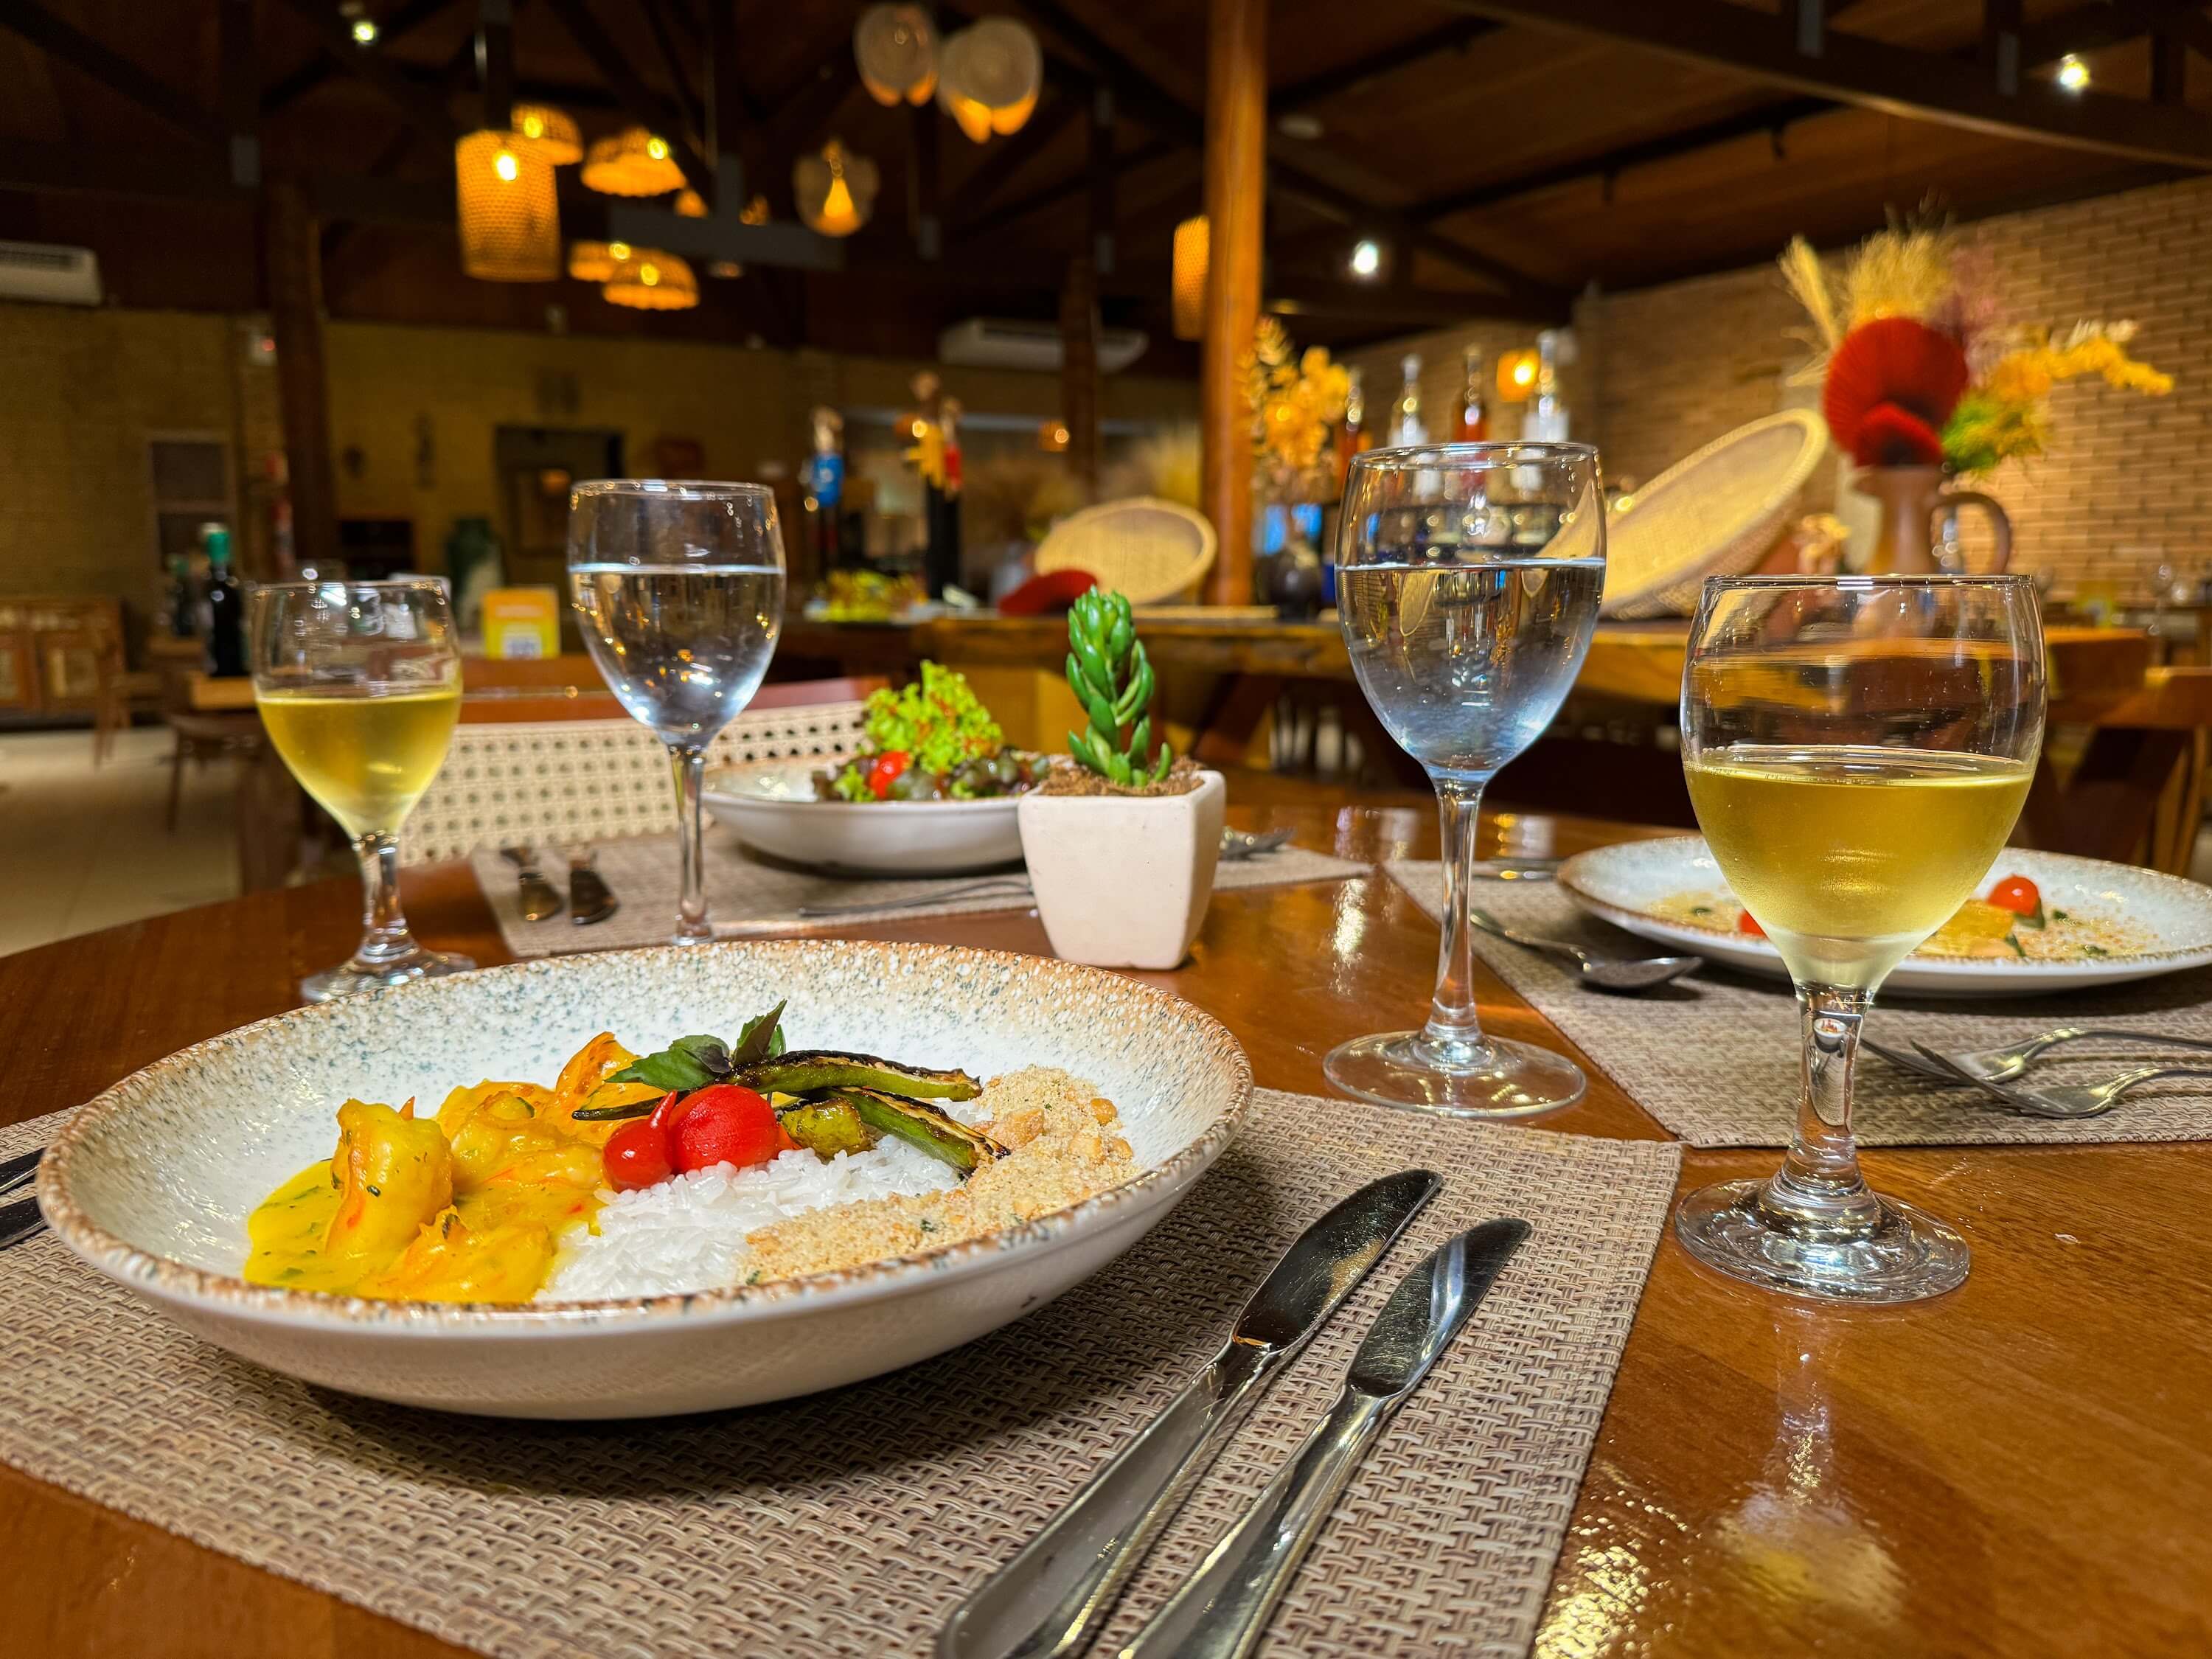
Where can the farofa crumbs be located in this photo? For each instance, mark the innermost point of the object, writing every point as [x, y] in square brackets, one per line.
[1053, 1123]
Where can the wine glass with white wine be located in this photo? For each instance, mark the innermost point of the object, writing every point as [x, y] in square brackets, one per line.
[1856, 749]
[680, 588]
[359, 685]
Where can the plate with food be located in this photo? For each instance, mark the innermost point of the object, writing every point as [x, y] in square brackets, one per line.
[930, 791]
[2036, 922]
[649, 1181]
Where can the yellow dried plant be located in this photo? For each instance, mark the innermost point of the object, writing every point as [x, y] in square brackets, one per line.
[1296, 402]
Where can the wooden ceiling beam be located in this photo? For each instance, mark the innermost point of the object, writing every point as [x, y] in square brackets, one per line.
[1455, 37]
[1003, 163]
[119, 74]
[659, 26]
[321, 67]
[1894, 80]
[639, 101]
[1146, 101]
[1065, 190]
[420, 104]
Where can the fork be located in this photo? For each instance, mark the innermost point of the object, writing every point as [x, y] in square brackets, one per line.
[2002, 1065]
[2068, 1099]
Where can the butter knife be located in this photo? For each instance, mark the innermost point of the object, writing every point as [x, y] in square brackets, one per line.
[590, 899]
[540, 903]
[1050, 1599]
[1222, 1610]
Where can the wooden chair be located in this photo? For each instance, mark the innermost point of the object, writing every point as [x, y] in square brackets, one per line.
[572, 780]
[2136, 795]
[1155, 551]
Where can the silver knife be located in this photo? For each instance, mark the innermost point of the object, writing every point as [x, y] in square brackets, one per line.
[590, 899]
[1050, 1599]
[1222, 1610]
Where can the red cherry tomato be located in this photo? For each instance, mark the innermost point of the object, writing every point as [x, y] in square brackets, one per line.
[886, 770]
[636, 1155]
[726, 1124]
[1747, 923]
[2018, 895]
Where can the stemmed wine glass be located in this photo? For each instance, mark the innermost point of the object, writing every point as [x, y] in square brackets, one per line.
[359, 685]
[1856, 749]
[680, 586]
[1468, 577]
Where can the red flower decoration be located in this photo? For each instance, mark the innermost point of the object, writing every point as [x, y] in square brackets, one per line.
[1054, 592]
[1891, 385]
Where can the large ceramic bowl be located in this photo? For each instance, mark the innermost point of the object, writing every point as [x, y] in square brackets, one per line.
[1623, 884]
[151, 1181]
[771, 806]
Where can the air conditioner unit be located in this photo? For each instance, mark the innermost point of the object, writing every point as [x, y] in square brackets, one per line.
[1003, 342]
[41, 271]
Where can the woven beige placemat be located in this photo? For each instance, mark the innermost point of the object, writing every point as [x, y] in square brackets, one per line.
[1715, 1057]
[748, 895]
[851, 1524]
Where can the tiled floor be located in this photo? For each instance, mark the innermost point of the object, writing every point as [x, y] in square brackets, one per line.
[84, 848]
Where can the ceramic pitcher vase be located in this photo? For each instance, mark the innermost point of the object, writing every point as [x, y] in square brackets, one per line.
[1911, 499]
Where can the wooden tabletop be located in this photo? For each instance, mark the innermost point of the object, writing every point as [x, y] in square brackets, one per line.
[2024, 1468]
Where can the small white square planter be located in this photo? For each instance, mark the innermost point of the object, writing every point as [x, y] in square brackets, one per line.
[1122, 881]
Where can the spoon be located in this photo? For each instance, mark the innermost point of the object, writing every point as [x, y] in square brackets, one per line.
[1600, 973]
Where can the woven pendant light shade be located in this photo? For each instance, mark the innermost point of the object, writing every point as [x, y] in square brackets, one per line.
[510, 220]
[835, 191]
[634, 162]
[650, 280]
[595, 262]
[754, 212]
[1193, 242]
[896, 49]
[547, 131]
[989, 76]
[690, 204]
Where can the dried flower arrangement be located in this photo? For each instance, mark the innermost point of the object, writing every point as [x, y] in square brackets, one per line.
[1917, 371]
[1296, 401]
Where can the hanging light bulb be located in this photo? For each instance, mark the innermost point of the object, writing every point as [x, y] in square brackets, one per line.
[896, 49]
[547, 132]
[510, 220]
[650, 280]
[835, 191]
[634, 163]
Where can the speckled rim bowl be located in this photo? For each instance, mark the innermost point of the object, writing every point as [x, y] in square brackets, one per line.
[150, 1181]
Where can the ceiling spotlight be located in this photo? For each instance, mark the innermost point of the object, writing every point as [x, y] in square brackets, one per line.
[1300, 126]
[1366, 257]
[359, 23]
[2073, 73]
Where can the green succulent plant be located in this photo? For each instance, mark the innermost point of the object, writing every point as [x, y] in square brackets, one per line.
[1109, 676]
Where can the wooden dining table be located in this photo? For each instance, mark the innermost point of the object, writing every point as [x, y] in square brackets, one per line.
[2021, 1468]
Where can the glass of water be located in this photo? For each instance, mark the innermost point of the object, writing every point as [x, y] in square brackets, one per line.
[680, 586]
[1467, 581]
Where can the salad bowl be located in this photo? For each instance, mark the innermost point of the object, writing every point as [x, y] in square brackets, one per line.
[771, 806]
[150, 1183]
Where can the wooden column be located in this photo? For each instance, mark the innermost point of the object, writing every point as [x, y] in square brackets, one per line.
[1236, 187]
[1079, 371]
[293, 276]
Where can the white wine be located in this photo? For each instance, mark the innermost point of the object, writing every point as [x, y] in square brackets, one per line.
[1848, 855]
[366, 757]
[684, 647]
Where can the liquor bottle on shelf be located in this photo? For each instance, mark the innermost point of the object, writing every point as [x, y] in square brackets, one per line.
[225, 607]
[1547, 421]
[822, 476]
[1473, 423]
[1406, 424]
[1352, 432]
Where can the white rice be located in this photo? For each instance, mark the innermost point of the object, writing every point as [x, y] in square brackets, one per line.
[688, 1233]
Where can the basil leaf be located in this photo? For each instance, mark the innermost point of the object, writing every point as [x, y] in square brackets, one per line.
[711, 1052]
[671, 1068]
[762, 1037]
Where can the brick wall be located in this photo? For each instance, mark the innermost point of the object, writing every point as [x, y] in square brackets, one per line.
[2123, 486]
